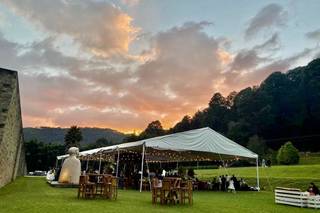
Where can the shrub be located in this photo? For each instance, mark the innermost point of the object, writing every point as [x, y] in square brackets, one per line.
[191, 172]
[288, 154]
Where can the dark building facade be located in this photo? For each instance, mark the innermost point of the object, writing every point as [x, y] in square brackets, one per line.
[12, 154]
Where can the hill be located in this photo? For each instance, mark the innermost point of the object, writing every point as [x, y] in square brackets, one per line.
[56, 135]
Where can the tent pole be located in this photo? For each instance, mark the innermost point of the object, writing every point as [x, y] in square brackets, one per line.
[118, 163]
[147, 164]
[57, 163]
[258, 184]
[87, 166]
[142, 160]
[100, 164]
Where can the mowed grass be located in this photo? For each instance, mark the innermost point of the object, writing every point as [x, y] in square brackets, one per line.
[309, 158]
[34, 195]
[298, 176]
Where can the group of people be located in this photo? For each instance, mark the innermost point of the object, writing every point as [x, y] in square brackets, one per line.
[229, 183]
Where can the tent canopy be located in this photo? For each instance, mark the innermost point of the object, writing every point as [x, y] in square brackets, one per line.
[202, 141]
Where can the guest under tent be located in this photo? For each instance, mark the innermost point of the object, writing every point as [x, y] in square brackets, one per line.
[202, 144]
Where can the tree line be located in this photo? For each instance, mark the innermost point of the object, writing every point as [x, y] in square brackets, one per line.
[285, 107]
[42, 156]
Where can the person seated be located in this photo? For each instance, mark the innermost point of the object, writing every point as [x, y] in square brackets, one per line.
[313, 189]
[243, 185]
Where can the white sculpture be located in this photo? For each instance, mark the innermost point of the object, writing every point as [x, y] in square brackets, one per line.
[71, 168]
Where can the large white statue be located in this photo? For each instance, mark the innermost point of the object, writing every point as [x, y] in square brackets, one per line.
[71, 168]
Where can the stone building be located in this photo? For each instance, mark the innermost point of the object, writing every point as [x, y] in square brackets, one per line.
[12, 155]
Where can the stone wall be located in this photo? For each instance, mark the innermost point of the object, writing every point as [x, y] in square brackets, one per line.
[12, 156]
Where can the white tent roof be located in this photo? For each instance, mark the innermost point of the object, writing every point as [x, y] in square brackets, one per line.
[198, 140]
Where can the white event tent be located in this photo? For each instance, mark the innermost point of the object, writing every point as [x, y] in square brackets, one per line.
[203, 144]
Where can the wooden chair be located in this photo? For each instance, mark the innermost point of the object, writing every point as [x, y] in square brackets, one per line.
[166, 194]
[156, 190]
[175, 190]
[106, 186]
[114, 188]
[82, 186]
[86, 188]
[186, 192]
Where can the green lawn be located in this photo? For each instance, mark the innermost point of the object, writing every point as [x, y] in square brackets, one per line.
[309, 158]
[34, 195]
[298, 176]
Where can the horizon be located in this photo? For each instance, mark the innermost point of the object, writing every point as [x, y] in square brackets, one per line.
[122, 64]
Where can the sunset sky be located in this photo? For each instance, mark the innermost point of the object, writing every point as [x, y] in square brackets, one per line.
[122, 64]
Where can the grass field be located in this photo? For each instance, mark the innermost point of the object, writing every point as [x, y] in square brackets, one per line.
[34, 195]
[309, 158]
[298, 176]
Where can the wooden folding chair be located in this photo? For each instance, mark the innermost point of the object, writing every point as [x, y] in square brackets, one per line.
[156, 190]
[114, 188]
[186, 192]
[166, 194]
[86, 188]
[106, 186]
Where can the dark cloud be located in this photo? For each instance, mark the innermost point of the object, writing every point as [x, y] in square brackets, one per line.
[245, 60]
[272, 15]
[315, 35]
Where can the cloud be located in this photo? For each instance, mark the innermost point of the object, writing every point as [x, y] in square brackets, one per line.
[245, 60]
[272, 44]
[99, 27]
[176, 73]
[130, 2]
[314, 35]
[257, 74]
[248, 59]
[272, 15]
[8, 52]
[61, 90]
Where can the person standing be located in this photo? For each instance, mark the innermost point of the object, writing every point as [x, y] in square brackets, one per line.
[228, 178]
[231, 186]
[223, 183]
[219, 183]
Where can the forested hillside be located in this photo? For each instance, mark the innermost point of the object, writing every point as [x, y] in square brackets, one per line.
[285, 107]
[56, 135]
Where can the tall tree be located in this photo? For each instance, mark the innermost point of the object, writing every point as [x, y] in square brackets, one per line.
[73, 137]
[183, 125]
[153, 129]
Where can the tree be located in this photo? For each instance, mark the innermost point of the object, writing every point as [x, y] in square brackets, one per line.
[73, 137]
[217, 113]
[131, 138]
[100, 142]
[153, 129]
[288, 154]
[257, 145]
[183, 125]
[41, 156]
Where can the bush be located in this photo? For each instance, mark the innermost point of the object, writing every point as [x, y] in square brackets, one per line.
[191, 172]
[288, 154]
